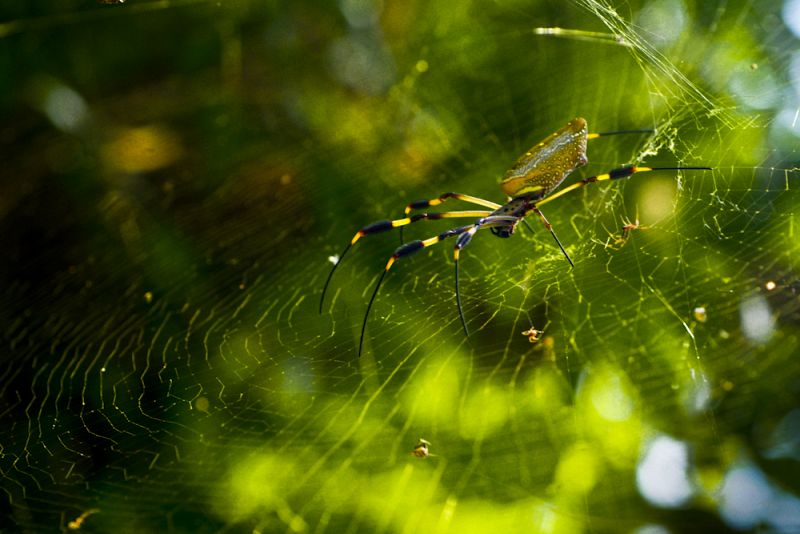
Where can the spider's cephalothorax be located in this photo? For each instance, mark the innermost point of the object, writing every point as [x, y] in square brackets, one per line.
[516, 207]
[528, 184]
[504, 231]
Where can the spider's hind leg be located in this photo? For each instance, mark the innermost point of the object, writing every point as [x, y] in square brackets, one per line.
[614, 174]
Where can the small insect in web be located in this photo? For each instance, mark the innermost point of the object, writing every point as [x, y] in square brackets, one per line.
[700, 314]
[628, 227]
[533, 334]
[422, 449]
[616, 242]
[78, 522]
[528, 185]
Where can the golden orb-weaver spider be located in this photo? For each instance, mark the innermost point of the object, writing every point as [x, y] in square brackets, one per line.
[528, 184]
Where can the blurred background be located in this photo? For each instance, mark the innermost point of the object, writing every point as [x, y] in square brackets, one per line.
[179, 177]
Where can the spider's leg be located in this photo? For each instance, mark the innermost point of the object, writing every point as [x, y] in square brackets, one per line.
[618, 132]
[402, 251]
[383, 226]
[615, 174]
[421, 204]
[463, 241]
[550, 229]
[528, 226]
[415, 246]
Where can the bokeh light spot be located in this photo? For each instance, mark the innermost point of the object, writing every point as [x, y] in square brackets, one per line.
[66, 109]
[758, 325]
[662, 474]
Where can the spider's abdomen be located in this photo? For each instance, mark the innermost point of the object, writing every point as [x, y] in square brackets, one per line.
[542, 168]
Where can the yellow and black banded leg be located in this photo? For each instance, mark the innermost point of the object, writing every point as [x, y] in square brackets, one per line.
[463, 241]
[422, 204]
[615, 174]
[415, 246]
[617, 132]
[384, 226]
[402, 251]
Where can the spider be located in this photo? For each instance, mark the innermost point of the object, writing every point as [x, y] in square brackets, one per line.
[628, 227]
[533, 334]
[528, 185]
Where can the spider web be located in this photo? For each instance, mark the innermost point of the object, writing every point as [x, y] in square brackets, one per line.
[167, 369]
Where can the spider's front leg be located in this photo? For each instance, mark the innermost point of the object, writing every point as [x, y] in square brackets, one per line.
[493, 221]
[401, 252]
[422, 204]
[385, 226]
[413, 247]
